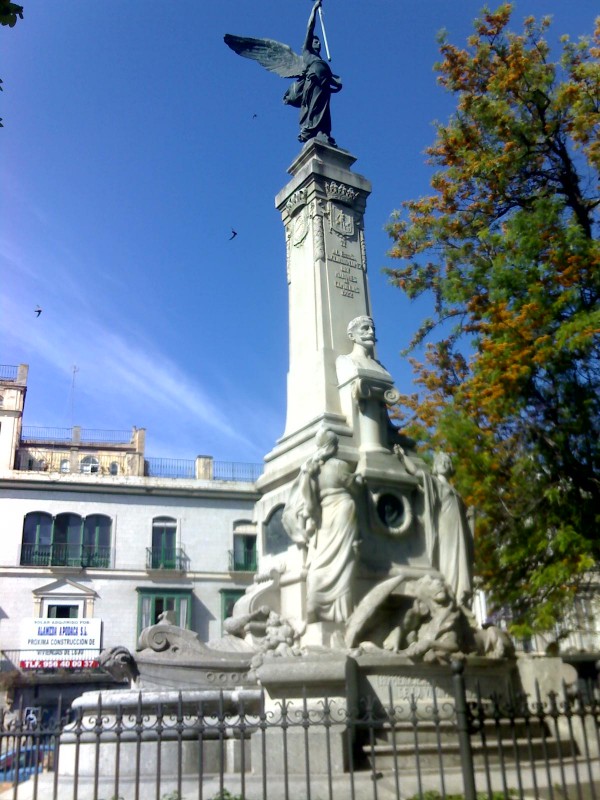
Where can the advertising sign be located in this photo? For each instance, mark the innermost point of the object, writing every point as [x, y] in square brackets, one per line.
[60, 643]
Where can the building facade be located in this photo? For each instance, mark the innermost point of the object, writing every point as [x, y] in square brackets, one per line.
[98, 541]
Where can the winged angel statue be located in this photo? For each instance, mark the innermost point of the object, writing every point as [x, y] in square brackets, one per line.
[315, 83]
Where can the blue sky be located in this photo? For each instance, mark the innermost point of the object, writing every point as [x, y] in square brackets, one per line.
[130, 150]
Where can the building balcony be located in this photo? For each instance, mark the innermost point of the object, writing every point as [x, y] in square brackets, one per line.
[242, 562]
[166, 558]
[65, 555]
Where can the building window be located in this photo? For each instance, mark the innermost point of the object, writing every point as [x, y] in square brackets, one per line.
[164, 553]
[62, 611]
[229, 598]
[65, 465]
[243, 555]
[66, 540]
[89, 464]
[152, 603]
[36, 550]
[114, 468]
[96, 541]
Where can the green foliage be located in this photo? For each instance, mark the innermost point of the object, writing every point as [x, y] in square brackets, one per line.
[507, 247]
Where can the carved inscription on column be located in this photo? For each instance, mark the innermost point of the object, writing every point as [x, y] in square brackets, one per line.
[348, 277]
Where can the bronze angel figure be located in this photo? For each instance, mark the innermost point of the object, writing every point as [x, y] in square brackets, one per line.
[315, 83]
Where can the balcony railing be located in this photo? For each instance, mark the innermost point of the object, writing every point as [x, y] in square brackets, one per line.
[242, 562]
[166, 558]
[65, 555]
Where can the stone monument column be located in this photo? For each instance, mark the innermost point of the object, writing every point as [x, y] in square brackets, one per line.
[322, 209]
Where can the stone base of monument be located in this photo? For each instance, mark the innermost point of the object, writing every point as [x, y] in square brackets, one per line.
[124, 730]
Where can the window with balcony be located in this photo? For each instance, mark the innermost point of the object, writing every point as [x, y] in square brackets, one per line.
[164, 553]
[152, 603]
[243, 555]
[66, 540]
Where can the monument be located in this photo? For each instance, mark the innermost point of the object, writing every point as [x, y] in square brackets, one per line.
[371, 596]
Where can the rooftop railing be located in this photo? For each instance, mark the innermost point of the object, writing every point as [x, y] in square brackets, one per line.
[236, 471]
[32, 433]
[169, 468]
[202, 468]
[8, 372]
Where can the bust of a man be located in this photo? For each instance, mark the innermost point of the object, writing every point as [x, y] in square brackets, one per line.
[361, 359]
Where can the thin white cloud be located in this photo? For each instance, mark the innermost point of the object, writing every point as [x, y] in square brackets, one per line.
[115, 366]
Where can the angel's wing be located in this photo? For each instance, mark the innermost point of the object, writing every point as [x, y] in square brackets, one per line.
[272, 55]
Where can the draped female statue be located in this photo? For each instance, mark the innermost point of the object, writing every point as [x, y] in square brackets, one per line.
[321, 516]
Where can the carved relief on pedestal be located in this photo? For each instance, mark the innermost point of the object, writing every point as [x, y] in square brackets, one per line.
[318, 235]
[341, 193]
[363, 248]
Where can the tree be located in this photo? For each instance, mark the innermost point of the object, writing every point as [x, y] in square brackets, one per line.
[507, 247]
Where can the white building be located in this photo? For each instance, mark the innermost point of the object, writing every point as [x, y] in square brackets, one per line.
[93, 529]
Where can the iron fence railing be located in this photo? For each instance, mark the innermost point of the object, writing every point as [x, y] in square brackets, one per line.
[94, 435]
[65, 555]
[166, 558]
[240, 744]
[31, 433]
[8, 372]
[206, 470]
[169, 468]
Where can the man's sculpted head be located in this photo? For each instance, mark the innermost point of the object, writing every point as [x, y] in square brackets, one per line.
[361, 331]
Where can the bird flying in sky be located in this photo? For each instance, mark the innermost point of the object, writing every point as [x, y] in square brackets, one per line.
[233, 234]
[37, 311]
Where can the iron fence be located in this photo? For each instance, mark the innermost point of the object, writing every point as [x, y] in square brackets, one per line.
[238, 744]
